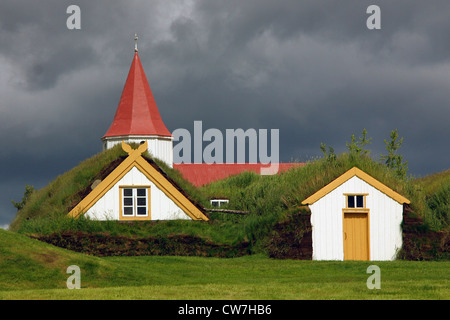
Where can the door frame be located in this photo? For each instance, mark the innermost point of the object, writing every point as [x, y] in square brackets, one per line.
[350, 211]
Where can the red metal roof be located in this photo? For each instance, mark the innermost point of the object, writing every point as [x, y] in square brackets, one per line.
[202, 173]
[137, 113]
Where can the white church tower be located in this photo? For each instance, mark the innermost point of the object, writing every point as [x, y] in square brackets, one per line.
[137, 117]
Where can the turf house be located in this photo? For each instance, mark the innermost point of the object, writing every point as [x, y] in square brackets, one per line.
[356, 217]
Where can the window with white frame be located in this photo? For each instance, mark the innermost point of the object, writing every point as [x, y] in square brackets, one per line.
[135, 201]
[218, 202]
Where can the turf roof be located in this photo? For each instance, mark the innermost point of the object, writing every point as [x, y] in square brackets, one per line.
[68, 189]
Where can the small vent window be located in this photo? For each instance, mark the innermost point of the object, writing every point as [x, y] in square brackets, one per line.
[219, 202]
[356, 201]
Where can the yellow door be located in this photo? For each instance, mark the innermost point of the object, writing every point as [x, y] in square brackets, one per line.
[356, 236]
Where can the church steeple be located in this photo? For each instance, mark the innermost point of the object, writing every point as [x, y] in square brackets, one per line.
[137, 117]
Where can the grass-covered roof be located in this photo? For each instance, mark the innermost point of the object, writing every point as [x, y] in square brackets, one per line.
[68, 189]
[268, 199]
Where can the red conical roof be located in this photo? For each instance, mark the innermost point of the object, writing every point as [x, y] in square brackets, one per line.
[137, 113]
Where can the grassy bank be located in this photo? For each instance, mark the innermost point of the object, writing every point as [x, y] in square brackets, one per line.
[30, 269]
[258, 278]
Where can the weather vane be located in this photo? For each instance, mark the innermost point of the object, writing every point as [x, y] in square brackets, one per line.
[135, 42]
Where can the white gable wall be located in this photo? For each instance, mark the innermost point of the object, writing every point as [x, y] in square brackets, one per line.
[385, 217]
[158, 146]
[162, 207]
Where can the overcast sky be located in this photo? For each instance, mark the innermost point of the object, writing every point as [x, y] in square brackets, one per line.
[311, 69]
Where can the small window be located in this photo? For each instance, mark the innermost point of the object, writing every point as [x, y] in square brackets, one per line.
[359, 201]
[219, 202]
[135, 202]
[355, 201]
[350, 201]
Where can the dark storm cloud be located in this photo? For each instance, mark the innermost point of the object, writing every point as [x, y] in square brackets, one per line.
[318, 64]
[309, 68]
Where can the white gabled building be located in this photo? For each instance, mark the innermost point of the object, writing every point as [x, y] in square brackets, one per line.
[356, 217]
[137, 189]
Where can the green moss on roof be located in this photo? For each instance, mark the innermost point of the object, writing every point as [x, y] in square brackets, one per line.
[267, 198]
[68, 189]
[296, 184]
[277, 194]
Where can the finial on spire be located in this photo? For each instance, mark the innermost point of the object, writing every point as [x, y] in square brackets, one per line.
[135, 42]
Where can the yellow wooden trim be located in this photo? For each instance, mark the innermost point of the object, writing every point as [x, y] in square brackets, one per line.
[173, 193]
[103, 187]
[381, 187]
[363, 176]
[355, 210]
[135, 218]
[135, 159]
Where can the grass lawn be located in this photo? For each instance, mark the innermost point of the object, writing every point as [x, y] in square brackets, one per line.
[30, 269]
[252, 277]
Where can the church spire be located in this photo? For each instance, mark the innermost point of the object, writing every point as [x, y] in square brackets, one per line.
[137, 112]
[137, 117]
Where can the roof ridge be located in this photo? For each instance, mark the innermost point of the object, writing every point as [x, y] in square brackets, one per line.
[355, 171]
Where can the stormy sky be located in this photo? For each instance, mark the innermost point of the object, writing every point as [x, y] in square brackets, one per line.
[311, 69]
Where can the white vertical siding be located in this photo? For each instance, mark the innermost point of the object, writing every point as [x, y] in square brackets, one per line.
[385, 217]
[162, 207]
[158, 147]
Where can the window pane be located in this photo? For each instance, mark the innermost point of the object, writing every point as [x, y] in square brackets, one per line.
[215, 203]
[360, 201]
[127, 192]
[141, 192]
[223, 202]
[127, 201]
[142, 210]
[142, 201]
[128, 211]
[350, 201]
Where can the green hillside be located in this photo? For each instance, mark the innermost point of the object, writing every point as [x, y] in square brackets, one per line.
[27, 264]
[30, 269]
[435, 188]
